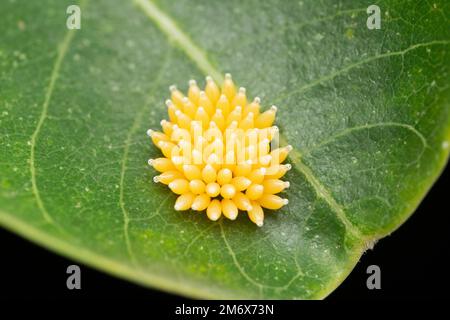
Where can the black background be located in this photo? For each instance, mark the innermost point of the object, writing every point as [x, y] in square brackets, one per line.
[413, 262]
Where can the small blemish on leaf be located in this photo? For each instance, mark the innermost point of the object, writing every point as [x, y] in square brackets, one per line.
[350, 33]
[21, 25]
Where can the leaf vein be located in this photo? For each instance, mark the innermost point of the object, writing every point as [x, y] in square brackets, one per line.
[134, 127]
[242, 271]
[367, 126]
[354, 65]
[62, 50]
[236, 262]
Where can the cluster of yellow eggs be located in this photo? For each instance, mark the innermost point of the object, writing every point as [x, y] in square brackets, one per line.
[217, 152]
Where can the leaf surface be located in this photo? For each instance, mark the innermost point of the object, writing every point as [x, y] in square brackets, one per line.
[367, 112]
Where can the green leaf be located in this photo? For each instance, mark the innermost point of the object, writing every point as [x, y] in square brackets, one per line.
[367, 112]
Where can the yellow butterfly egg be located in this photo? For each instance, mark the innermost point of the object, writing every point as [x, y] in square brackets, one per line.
[228, 87]
[184, 201]
[192, 172]
[256, 214]
[254, 192]
[217, 152]
[253, 107]
[213, 189]
[204, 102]
[209, 174]
[241, 183]
[167, 148]
[168, 176]
[234, 116]
[167, 127]
[162, 164]
[277, 171]
[266, 119]
[176, 96]
[224, 105]
[212, 90]
[257, 175]
[202, 116]
[179, 186]
[183, 120]
[193, 92]
[224, 176]
[243, 169]
[229, 209]
[189, 108]
[280, 154]
[240, 99]
[242, 202]
[201, 202]
[198, 186]
[247, 122]
[271, 201]
[219, 119]
[273, 186]
[157, 136]
[214, 210]
[171, 110]
[227, 191]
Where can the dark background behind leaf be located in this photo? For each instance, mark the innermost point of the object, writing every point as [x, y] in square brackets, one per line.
[411, 261]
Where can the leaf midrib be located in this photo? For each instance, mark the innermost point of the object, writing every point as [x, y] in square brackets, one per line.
[168, 26]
